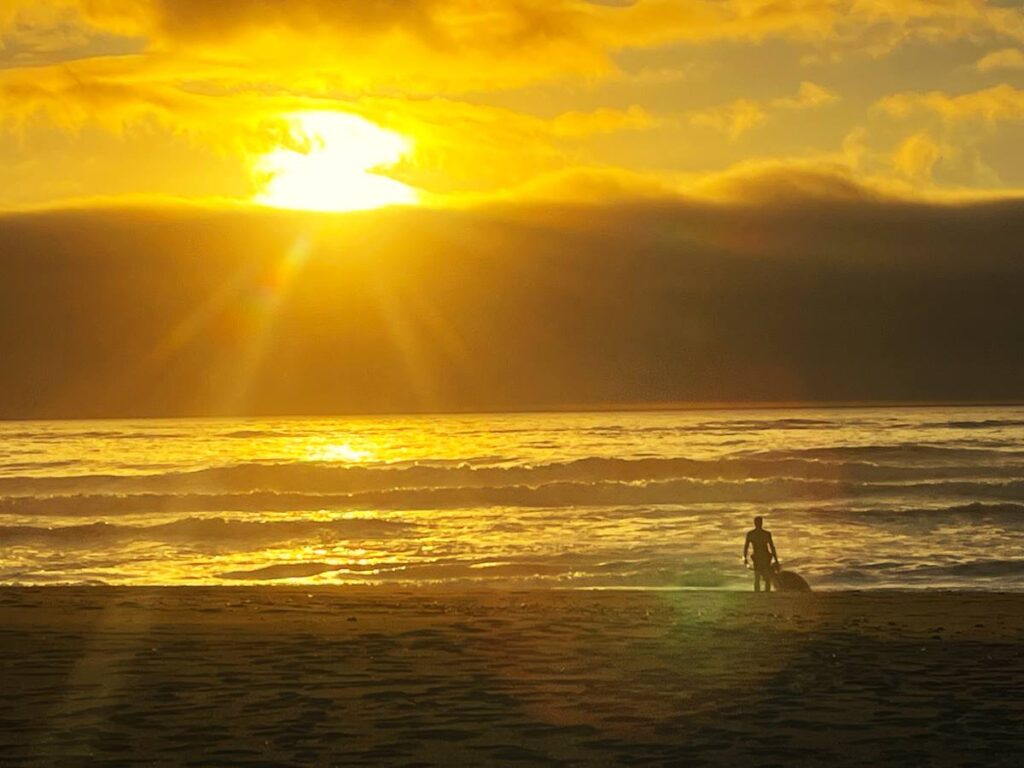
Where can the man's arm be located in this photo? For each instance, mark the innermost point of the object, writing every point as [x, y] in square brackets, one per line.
[746, 549]
[771, 546]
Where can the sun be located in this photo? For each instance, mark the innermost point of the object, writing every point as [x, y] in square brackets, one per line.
[336, 166]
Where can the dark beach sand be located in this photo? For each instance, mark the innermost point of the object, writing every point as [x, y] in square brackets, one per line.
[310, 677]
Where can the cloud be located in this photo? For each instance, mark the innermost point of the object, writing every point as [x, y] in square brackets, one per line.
[999, 103]
[917, 156]
[834, 295]
[464, 148]
[1006, 58]
[451, 46]
[877, 27]
[465, 23]
[15, 13]
[784, 182]
[115, 91]
[34, 32]
[809, 96]
[465, 152]
[458, 146]
[225, 75]
[590, 184]
[845, 176]
[967, 124]
[120, 93]
[602, 121]
[415, 46]
[731, 119]
[743, 115]
[68, 99]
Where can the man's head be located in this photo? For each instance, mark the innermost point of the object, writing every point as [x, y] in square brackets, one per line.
[758, 522]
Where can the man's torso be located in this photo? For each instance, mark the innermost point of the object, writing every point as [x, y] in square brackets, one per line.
[759, 539]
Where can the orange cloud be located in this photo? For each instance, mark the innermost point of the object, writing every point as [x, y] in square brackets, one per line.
[1007, 58]
[917, 156]
[471, 148]
[605, 120]
[809, 96]
[421, 46]
[591, 184]
[743, 115]
[732, 119]
[459, 146]
[511, 24]
[779, 181]
[117, 93]
[1001, 102]
[222, 74]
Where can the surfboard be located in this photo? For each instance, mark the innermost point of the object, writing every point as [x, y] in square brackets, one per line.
[789, 581]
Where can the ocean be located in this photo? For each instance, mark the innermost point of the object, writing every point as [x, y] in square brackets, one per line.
[857, 498]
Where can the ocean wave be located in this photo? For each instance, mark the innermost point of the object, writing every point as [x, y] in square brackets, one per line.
[984, 424]
[617, 493]
[913, 452]
[975, 511]
[850, 464]
[36, 466]
[253, 433]
[281, 571]
[198, 531]
[988, 569]
[976, 572]
[58, 436]
[746, 425]
[580, 570]
[558, 494]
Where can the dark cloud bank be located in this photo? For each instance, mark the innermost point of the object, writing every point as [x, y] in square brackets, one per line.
[147, 313]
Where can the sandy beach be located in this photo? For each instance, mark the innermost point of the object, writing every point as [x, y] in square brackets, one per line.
[318, 677]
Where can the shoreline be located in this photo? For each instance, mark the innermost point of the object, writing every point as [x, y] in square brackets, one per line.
[457, 588]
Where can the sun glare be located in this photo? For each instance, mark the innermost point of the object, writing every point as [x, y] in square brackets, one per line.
[337, 168]
[340, 452]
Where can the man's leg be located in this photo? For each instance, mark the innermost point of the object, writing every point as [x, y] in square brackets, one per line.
[768, 579]
[757, 580]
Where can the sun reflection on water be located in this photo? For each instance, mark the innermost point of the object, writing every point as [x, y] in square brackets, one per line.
[340, 452]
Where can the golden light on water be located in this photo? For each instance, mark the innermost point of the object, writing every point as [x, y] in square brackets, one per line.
[340, 452]
[337, 167]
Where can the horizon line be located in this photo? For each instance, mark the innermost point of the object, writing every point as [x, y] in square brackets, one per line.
[657, 407]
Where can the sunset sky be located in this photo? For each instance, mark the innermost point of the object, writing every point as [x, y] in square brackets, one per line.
[591, 193]
[183, 99]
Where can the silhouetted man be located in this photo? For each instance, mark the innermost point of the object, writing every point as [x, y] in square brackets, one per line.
[764, 552]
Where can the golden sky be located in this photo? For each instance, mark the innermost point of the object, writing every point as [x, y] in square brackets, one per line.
[601, 203]
[476, 100]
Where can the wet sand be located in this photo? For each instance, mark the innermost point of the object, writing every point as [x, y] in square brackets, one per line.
[315, 677]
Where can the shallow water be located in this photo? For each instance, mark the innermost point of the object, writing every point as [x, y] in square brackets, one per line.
[856, 498]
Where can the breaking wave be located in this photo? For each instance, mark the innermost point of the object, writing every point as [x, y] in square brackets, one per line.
[834, 465]
[194, 530]
[548, 495]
